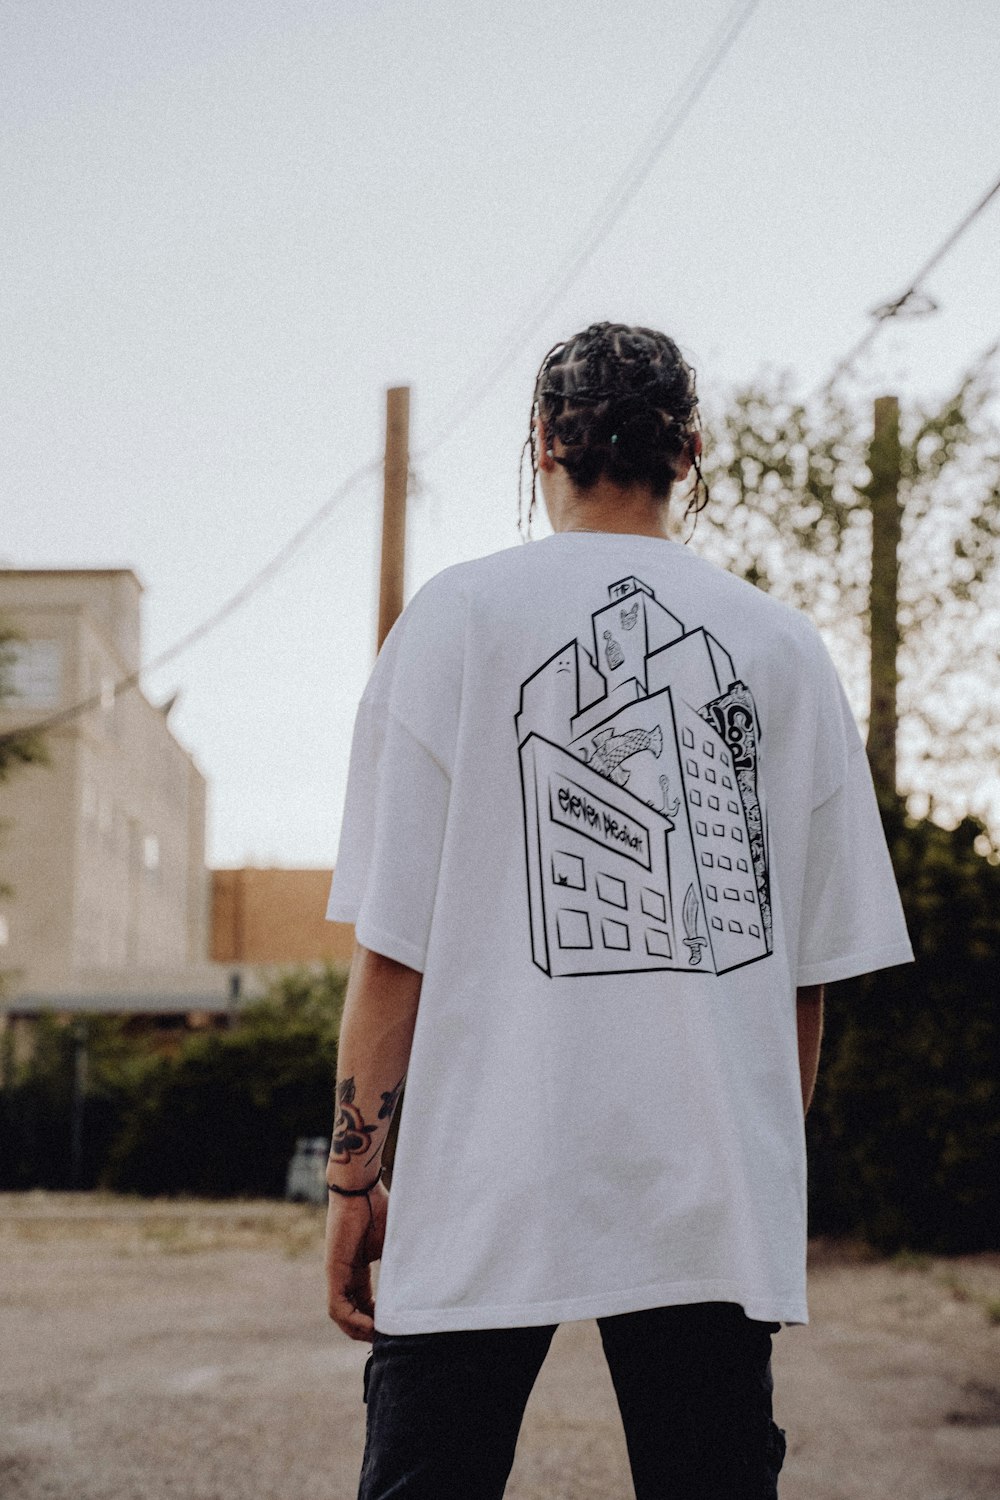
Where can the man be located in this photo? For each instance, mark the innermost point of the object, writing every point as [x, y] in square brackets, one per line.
[609, 829]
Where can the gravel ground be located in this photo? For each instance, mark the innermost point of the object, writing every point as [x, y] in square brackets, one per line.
[154, 1350]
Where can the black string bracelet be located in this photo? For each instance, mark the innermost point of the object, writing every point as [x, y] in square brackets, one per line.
[354, 1192]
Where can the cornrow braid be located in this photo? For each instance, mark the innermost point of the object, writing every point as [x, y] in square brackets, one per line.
[623, 403]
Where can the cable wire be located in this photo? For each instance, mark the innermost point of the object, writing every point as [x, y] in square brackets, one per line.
[602, 222]
[892, 309]
[230, 606]
[663, 132]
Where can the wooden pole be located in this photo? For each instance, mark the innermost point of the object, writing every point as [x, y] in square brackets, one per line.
[397, 463]
[883, 492]
[390, 601]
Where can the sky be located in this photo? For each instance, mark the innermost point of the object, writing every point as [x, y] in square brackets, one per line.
[228, 228]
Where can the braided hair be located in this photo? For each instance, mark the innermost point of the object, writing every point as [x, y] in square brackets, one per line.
[622, 402]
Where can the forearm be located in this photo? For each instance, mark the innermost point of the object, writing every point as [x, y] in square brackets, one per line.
[376, 1033]
[809, 1020]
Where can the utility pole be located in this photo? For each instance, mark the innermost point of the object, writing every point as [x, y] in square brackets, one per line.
[397, 464]
[390, 600]
[883, 494]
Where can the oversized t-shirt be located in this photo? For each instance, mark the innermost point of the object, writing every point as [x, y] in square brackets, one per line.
[611, 801]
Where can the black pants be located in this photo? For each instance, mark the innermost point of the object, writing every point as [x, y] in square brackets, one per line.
[694, 1390]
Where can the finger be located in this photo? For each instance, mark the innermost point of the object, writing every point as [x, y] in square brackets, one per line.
[359, 1291]
[351, 1320]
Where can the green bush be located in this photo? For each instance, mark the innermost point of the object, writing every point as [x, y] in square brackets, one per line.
[222, 1117]
[904, 1130]
[36, 1106]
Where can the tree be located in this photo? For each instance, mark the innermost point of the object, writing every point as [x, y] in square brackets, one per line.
[16, 749]
[791, 488]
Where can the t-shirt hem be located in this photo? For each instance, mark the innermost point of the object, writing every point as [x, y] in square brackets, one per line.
[827, 971]
[378, 940]
[787, 1308]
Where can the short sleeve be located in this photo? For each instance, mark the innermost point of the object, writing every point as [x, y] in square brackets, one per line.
[852, 920]
[386, 873]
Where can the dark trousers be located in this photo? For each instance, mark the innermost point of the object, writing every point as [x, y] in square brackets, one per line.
[693, 1384]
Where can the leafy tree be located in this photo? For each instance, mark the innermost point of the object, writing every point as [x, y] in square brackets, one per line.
[790, 512]
[16, 748]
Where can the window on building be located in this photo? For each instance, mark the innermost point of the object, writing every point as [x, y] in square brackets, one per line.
[35, 673]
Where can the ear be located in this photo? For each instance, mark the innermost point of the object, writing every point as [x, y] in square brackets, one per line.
[545, 461]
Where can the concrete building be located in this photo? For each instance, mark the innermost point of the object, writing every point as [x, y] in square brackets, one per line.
[104, 847]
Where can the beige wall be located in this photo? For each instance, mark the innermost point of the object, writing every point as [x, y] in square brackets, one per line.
[105, 846]
[275, 916]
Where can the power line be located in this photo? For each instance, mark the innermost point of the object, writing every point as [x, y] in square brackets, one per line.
[603, 221]
[233, 603]
[663, 132]
[894, 308]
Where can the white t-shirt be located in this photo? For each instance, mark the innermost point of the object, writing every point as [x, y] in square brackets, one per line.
[612, 802]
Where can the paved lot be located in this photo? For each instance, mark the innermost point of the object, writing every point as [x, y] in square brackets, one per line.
[178, 1350]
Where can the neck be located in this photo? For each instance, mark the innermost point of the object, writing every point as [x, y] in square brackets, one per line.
[606, 507]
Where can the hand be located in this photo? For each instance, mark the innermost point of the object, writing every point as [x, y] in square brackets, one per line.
[355, 1234]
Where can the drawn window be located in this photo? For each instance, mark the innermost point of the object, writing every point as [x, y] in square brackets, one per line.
[717, 923]
[734, 807]
[738, 835]
[709, 749]
[692, 768]
[612, 890]
[724, 758]
[706, 859]
[727, 783]
[754, 930]
[658, 943]
[709, 773]
[694, 797]
[719, 829]
[748, 895]
[701, 827]
[614, 934]
[688, 739]
[711, 892]
[573, 929]
[713, 803]
[741, 864]
[567, 869]
[653, 904]
[725, 863]
[731, 893]
[735, 927]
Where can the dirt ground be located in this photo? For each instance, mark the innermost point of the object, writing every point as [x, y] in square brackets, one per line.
[155, 1350]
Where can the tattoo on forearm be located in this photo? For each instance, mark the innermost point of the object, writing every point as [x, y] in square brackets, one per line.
[389, 1102]
[352, 1135]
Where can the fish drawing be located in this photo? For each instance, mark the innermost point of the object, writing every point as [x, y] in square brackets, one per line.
[689, 912]
[611, 749]
[613, 651]
[628, 617]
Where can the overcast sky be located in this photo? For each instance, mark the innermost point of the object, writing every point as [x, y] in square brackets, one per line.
[228, 227]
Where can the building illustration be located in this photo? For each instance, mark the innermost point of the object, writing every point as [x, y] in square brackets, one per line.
[645, 836]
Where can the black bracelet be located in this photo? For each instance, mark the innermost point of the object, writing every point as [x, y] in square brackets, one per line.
[354, 1192]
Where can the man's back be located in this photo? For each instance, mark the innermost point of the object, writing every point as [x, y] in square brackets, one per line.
[612, 803]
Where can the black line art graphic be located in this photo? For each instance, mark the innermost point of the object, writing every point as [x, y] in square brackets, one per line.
[639, 781]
